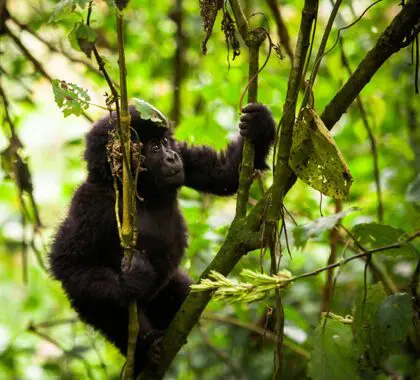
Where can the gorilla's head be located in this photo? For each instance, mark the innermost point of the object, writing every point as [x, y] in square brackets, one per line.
[164, 170]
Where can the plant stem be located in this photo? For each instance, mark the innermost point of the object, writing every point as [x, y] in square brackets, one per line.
[127, 230]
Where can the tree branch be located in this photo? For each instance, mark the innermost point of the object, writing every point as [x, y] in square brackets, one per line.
[399, 34]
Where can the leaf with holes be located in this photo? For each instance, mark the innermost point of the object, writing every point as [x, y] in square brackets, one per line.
[71, 98]
[316, 158]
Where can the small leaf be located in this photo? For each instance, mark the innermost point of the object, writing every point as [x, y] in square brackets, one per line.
[149, 112]
[71, 98]
[316, 158]
[375, 235]
[333, 356]
[413, 191]
[302, 234]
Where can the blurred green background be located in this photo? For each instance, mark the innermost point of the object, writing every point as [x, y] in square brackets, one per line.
[32, 345]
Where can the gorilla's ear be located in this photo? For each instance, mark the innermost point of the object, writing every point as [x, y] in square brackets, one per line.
[95, 153]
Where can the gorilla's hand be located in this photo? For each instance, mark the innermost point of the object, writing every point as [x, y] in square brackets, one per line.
[139, 280]
[257, 123]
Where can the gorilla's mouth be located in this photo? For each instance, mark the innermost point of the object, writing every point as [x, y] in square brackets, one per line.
[173, 174]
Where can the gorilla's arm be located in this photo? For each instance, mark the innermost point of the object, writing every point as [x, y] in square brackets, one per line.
[86, 256]
[218, 173]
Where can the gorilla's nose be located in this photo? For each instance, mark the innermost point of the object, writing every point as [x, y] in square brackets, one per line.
[171, 157]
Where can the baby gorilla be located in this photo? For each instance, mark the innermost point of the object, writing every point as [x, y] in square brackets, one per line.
[86, 254]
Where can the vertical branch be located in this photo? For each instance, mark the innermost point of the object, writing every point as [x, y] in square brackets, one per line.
[129, 204]
[321, 50]
[282, 169]
[253, 39]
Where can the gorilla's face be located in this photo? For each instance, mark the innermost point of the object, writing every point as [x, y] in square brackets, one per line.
[163, 164]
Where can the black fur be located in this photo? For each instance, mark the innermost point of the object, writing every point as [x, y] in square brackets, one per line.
[86, 254]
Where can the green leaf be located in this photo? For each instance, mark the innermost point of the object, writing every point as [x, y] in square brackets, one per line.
[333, 356]
[149, 112]
[316, 158]
[367, 334]
[394, 317]
[375, 235]
[413, 191]
[71, 98]
[314, 229]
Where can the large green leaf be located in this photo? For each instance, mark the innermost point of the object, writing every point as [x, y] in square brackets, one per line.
[375, 235]
[333, 356]
[394, 316]
[316, 158]
[380, 325]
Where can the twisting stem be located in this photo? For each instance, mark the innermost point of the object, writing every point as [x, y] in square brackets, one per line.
[334, 240]
[281, 28]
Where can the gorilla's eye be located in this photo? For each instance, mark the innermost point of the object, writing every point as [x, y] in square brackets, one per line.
[165, 141]
[155, 147]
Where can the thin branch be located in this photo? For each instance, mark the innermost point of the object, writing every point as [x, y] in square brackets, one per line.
[320, 53]
[334, 240]
[253, 39]
[129, 220]
[354, 257]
